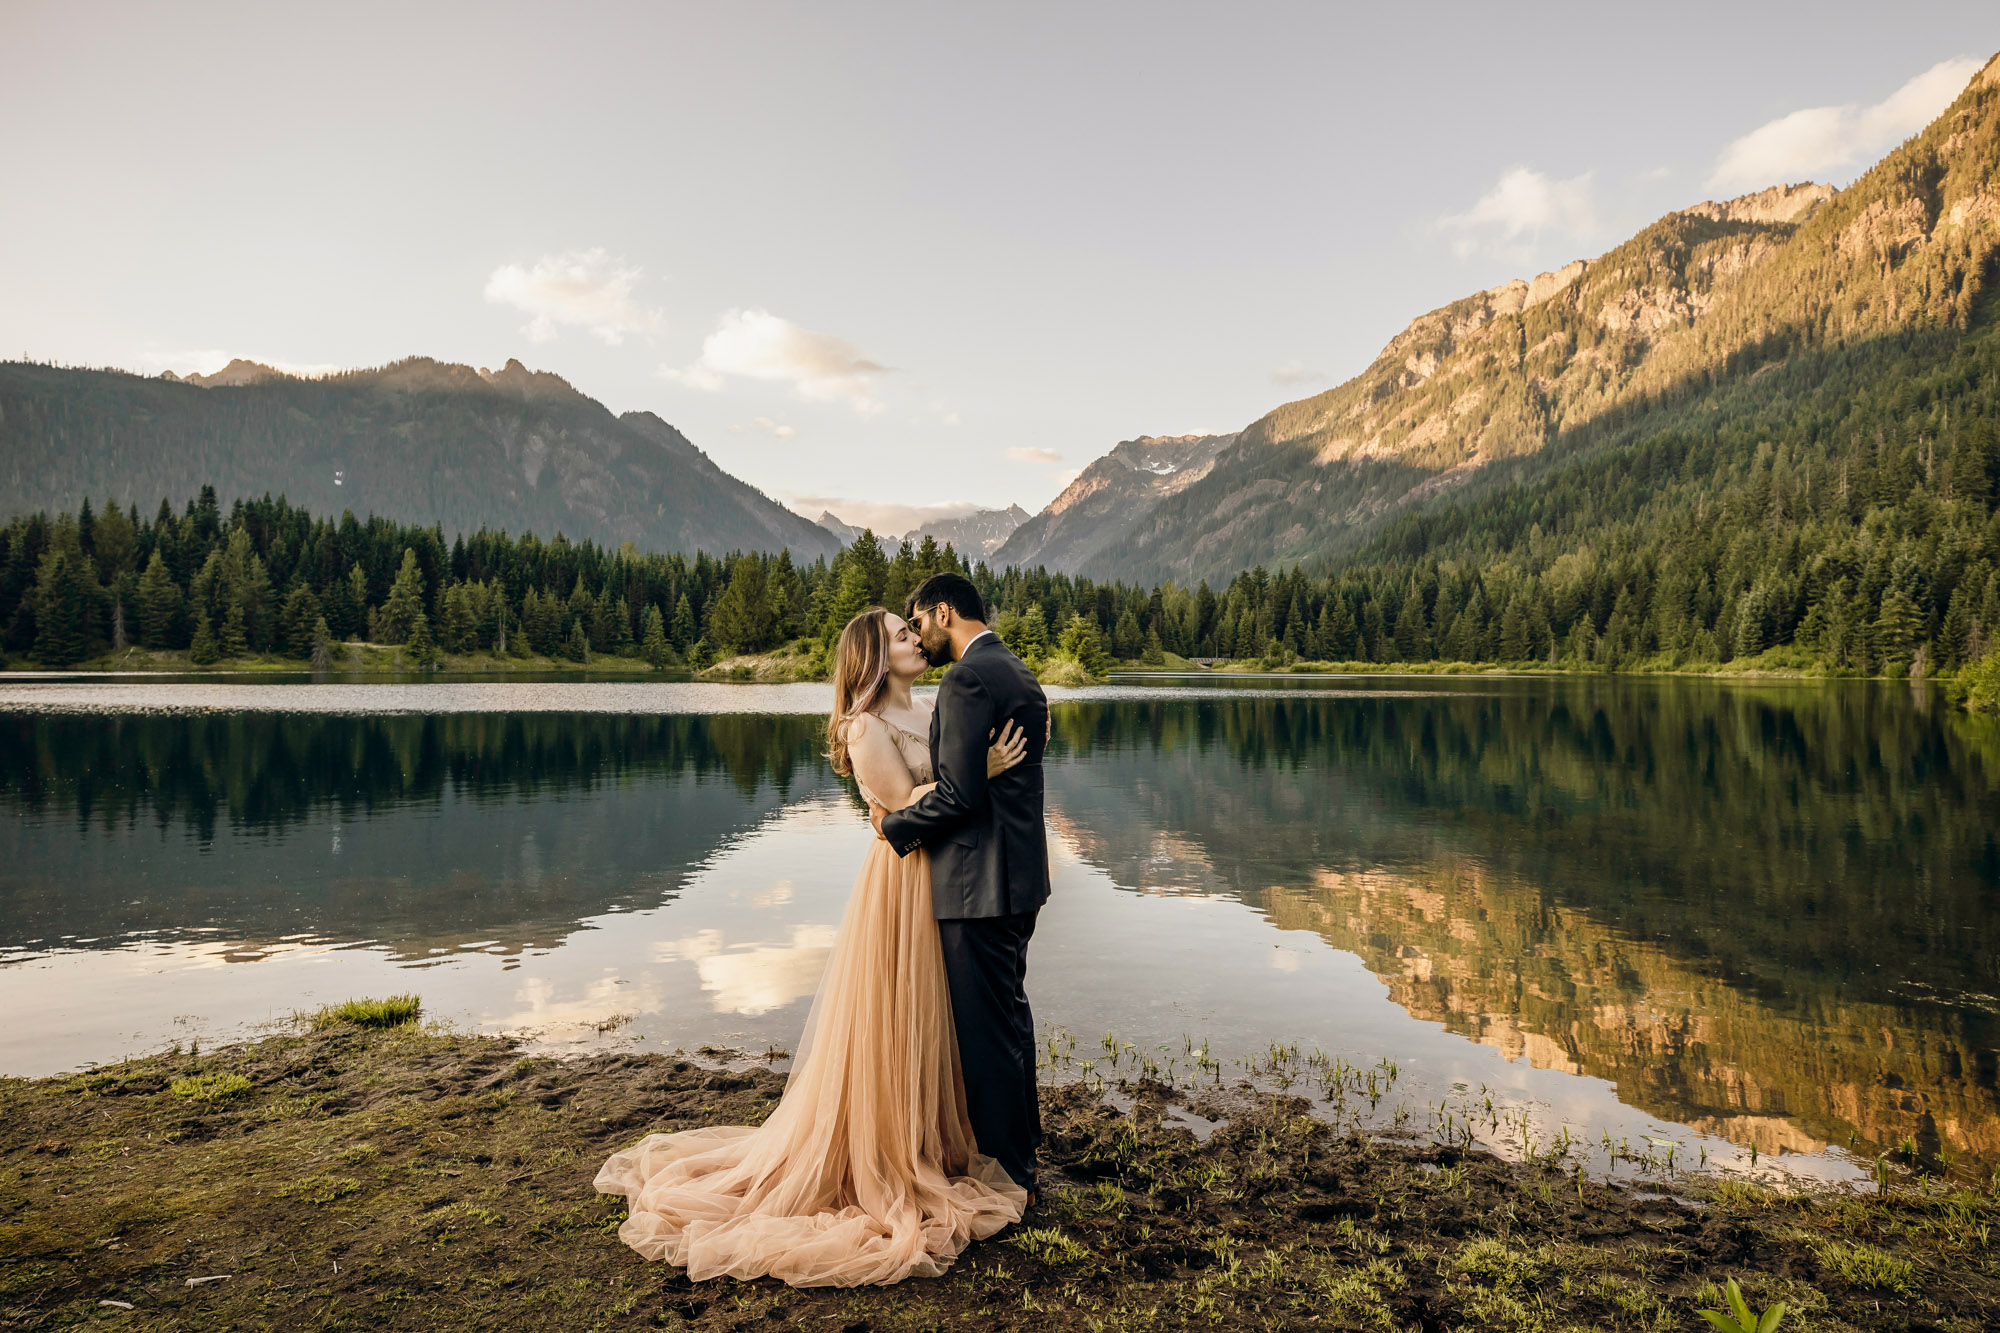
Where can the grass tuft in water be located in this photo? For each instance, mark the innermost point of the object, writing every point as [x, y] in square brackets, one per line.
[394, 1012]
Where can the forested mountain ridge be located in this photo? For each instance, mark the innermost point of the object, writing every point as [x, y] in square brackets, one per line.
[421, 441]
[1497, 388]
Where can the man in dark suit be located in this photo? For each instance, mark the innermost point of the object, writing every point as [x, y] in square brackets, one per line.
[989, 861]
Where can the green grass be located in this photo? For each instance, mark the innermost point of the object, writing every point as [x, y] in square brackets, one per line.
[210, 1087]
[395, 1011]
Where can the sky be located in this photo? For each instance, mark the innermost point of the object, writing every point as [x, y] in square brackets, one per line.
[889, 259]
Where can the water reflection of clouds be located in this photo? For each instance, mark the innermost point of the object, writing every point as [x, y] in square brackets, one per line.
[756, 979]
[542, 1005]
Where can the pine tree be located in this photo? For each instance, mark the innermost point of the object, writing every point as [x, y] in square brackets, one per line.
[864, 573]
[459, 632]
[1897, 628]
[788, 597]
[903, 575]
[1153, 655]
[62, 609]
[405, 602]
[1082, 643]
[235, 637]
[357, 596]
[684, 629]
[1033, 645]
[301, 612]
[1339, 630]
[159, 605]
[203, 649]
[1413, 635]
[1127, 641]
[423, 648]
[654, 646]
[118, 640]
[741, 619]
[1514, 633]
[322, 646]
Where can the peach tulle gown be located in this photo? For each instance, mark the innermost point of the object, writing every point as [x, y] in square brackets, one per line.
[866, 1171]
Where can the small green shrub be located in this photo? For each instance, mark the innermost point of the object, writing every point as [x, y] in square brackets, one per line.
[1863, 1265]
[210, 1087]
[1049, 1245]
[396, 1011]
[1495, 1261]
[1066, 671]
[1738, 1319]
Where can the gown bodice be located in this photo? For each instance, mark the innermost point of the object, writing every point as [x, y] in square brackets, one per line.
[916, 753]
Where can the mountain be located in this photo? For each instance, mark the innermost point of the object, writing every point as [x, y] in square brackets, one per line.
[976, 535]
[420, 441]
[1085, 526]
[1671, 330]
[846, 532]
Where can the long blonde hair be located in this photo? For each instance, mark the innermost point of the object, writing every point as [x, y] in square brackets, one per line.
[860, 678]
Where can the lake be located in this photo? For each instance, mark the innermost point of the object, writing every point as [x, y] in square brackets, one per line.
[1756, 922]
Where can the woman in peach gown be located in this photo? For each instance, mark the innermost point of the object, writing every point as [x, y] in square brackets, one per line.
[866, 1171]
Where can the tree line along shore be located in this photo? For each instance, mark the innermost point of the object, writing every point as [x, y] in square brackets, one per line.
[267, 583]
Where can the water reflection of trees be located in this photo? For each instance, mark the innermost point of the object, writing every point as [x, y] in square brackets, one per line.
[266, 771]
[1768, 911]
[1769, 830]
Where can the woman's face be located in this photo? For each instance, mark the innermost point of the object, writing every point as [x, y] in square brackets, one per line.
[906, 657]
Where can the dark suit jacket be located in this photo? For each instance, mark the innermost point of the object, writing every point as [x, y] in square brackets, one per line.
[989, 850]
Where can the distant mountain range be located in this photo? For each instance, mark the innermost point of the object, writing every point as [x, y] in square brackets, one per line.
[1505, 387]
[976, 535]
[420, 440]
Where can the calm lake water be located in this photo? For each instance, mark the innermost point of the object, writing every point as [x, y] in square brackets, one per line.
[1722, 916]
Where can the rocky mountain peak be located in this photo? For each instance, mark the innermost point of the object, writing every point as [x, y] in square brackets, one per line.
[237, 373]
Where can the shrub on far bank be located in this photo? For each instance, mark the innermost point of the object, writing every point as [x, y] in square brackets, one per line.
[1982, 683]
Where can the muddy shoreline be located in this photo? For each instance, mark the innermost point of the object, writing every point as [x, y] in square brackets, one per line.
[359, 1178]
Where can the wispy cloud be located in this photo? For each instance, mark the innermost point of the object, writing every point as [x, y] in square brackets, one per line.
[1293, 373]
[584, 289]
[1825, 141]
[1523, 207]
[776, 429]
[1034, 455]
[758, 345]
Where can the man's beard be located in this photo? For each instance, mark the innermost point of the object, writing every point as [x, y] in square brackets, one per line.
[935, 645]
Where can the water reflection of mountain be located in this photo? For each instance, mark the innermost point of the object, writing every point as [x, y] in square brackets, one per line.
[1768, 912]
[411, 831]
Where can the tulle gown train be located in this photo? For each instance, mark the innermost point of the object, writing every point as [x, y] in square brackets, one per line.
[866, 1171]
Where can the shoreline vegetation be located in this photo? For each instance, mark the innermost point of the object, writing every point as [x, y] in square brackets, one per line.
[268, 586]
[802, 662]
[360, 1170]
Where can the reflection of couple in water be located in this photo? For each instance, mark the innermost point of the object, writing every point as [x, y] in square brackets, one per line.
[909, 1124]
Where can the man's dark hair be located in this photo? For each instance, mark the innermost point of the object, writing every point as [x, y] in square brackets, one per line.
[952, 590]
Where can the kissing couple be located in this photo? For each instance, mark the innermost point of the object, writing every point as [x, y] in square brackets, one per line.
[909, 1123]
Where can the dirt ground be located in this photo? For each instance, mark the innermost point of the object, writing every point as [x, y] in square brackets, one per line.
[361, 1179]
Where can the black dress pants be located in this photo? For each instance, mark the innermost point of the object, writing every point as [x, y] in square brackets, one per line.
[986, 966]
